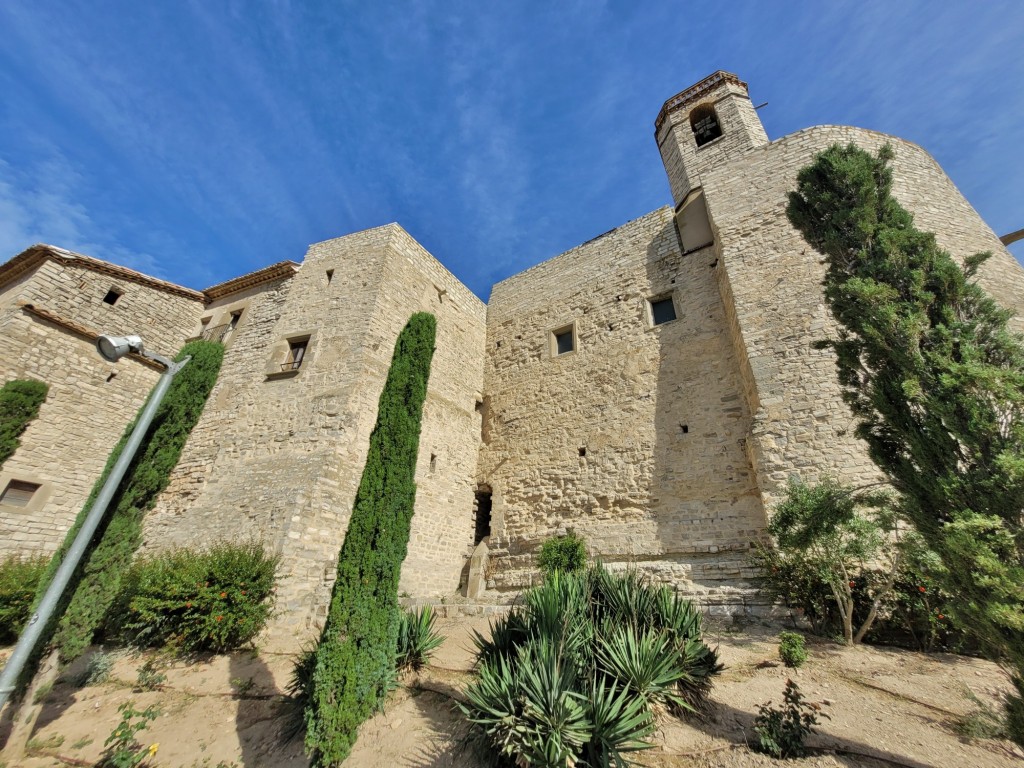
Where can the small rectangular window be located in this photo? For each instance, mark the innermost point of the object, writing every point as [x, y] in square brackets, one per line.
[235, 317]
[563, 341]
[662, 311]
[18, 493]
[296, 353]
[111, 297]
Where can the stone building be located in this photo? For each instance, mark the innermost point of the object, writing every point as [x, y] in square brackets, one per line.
[652, 389]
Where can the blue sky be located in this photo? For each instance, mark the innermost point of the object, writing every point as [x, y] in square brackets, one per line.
[200, 140]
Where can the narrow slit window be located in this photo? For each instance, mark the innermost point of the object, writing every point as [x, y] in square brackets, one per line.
[662, 311]
[18, 493]
[330, 276]
[111, 297]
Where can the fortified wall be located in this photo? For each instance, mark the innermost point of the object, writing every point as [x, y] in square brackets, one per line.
[652, 389]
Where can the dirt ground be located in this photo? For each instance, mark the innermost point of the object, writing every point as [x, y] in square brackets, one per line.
[887, 707]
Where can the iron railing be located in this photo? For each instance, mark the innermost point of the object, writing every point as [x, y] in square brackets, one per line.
[217, 333]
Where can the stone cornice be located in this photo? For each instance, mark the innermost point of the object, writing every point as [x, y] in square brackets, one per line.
[693, 93]
[276, 271]
[32, 257]
[81, 330]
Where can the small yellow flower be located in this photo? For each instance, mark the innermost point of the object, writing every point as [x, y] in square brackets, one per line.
[153, 748]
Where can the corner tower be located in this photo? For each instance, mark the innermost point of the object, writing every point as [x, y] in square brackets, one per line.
[707, 125]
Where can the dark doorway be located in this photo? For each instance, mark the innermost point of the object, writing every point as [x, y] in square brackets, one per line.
[483, 515]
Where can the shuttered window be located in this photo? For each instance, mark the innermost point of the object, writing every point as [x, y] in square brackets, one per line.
[18, 493]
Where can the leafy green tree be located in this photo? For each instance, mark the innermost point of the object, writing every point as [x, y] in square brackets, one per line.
[936, 378]
[19, 404]
[355, 658]
[837, 533]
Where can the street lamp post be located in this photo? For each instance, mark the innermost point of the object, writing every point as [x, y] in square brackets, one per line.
[112, 348]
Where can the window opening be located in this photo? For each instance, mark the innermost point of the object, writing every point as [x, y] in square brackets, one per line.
[330, 276]
[705, 125]
[483, 516]
[433, 463]
[18, 493]
[564, 341]
[583, 452]
[662, 311]
[296, 353]
[235, 317]
[111, 297]
[685, 428]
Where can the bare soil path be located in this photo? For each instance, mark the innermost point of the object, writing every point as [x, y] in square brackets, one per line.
[887, 707]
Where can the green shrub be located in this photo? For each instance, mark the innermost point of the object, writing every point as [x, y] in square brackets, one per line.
[782, 732]
[122, 748]
[800, 584]
[215, 600]
[562, 553]
[98, 579]
[19, 580]
[19, 404]
[575, 675]
[149, 677]
[417, 639]
[97, 670]
[355, 659]
[914, 613]
[791, 649]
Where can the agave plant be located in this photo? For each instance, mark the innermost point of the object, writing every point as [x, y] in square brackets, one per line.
[621, 722]
[571, 676]
[507, 633]
[417, 639]
[297, 691]
[646, 662]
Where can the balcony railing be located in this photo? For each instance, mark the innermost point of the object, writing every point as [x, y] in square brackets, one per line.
[292, 366]
[217, 333]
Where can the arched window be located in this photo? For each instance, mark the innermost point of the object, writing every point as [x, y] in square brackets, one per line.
[705, 125]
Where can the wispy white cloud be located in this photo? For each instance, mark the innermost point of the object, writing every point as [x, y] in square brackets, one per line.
[44, 205]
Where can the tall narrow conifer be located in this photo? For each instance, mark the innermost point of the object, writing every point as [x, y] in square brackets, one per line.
[355, 658]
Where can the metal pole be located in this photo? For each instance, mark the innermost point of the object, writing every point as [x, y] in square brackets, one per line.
[44, 611]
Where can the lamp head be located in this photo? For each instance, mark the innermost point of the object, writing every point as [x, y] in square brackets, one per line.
[113, 348]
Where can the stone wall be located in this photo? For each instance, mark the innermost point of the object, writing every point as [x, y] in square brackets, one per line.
[90, 401]
[664, 446]
[162, 318]
[635, 440]
[771, 282]
[278, 455]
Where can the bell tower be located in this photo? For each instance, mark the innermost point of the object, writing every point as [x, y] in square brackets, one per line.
[706, 125]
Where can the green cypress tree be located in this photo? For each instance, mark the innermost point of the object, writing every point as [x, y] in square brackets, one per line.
[19, 404]
[936, 379]
[355, 658]
[95, 584]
